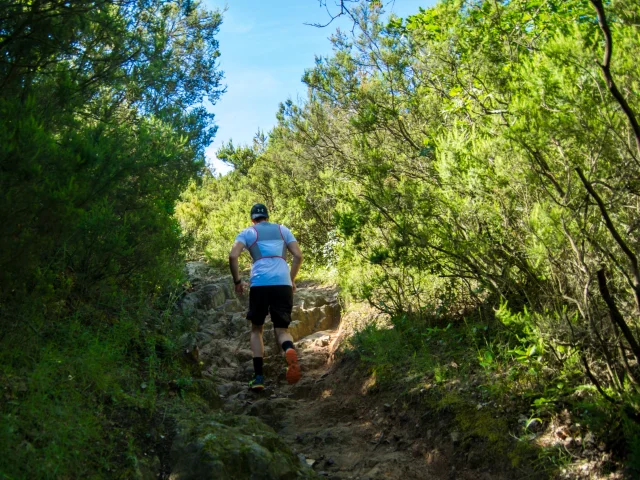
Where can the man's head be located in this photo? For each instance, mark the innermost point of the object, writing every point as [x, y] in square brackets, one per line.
[259, 213]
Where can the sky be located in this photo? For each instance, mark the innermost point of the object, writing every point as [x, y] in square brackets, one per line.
[265, 48]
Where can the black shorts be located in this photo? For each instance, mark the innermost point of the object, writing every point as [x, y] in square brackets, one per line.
[274, 299]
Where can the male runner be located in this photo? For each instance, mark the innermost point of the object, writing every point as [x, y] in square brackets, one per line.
[272, 287]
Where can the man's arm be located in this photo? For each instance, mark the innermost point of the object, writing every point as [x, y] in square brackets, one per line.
[294, 248]
[234, 254]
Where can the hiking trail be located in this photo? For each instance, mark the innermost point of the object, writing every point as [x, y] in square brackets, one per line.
[328, 419]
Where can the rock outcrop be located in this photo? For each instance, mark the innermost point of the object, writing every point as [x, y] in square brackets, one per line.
[230, 447]
[221, 337]
[240, 441]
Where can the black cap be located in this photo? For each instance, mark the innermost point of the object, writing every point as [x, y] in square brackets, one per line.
[259, 211]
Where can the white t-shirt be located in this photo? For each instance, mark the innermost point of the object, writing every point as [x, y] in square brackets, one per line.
[268, 271]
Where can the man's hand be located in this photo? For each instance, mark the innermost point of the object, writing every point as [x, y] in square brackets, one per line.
[295, 264]
[235, 252]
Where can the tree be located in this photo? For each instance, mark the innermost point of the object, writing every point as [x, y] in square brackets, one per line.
[103, 124]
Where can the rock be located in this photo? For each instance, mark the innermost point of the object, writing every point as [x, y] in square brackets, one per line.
[589, 440]
[374, 472]
[212, 328]
[475, 458]
[227, 447]
[227, 389]
[239, 323]
[228, 373]
[244, 355]
[562, 432]
[211, 296]
[417, 449]
[272, 411]
[148, 468]
[308, 299]
[310, 360]
[233, 305]
[198, 271]
[189, 303]
[306, 321]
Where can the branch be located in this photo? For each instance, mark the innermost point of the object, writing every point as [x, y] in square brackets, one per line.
[616, 316]
[344, 10]
[596, 382]
[614, 233]
[606, 70]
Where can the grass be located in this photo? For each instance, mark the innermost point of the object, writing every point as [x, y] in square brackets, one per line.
[88, 396]
[490, 378]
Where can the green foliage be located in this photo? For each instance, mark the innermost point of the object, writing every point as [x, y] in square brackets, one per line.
[441, 374]
[484, 377]
[475, 154]
[242, 158]
[76, 401]
[102, 126]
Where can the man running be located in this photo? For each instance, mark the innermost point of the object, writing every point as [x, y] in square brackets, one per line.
[272, 287]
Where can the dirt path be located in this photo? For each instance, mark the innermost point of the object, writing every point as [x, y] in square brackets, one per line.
[328, 418]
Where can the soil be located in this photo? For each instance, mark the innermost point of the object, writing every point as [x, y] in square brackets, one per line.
[335, 418]
[336, 422]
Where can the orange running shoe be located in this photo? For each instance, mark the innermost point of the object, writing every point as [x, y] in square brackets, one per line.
[293, 369]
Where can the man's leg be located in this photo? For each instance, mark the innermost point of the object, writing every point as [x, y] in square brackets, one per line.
[258, 308]
[257, 345]
[285, 340]
[293, 367]
[257, 348]
[281, 306]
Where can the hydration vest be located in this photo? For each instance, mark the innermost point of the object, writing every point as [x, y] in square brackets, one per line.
[269, 242]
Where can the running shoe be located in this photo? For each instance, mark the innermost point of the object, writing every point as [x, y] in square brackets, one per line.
[293, 369]
[257, 383]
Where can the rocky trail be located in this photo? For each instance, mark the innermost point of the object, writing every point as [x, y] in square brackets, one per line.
[328, 419]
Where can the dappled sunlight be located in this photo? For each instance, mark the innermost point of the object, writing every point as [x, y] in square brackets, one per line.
[368, 384]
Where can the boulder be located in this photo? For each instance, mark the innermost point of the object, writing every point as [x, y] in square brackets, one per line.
[189, 303]
[311, 360]
[226, 447]
[197, 271]
[271, 411]
[307, 321]
[212, 295]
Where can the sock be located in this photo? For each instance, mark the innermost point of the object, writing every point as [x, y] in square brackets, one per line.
[287, 345]
[257, 365]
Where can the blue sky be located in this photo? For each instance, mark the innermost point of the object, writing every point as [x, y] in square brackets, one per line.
[265, 47]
